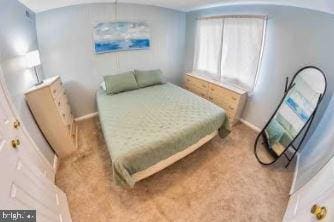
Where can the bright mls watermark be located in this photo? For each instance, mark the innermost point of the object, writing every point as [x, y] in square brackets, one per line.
[18, 215]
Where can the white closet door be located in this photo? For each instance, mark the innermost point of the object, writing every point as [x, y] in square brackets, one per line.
[8, 155]
[304, 214]
[320, 191]
[24, 184]
[31, 151]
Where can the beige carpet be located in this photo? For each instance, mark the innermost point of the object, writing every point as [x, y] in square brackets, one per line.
[222, 181]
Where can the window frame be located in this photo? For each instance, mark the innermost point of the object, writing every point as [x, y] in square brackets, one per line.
[258, 67]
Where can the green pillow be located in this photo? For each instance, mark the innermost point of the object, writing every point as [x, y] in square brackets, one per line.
[149, 77]
[120, 82]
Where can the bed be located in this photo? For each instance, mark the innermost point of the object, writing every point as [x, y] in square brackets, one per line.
[150, 128]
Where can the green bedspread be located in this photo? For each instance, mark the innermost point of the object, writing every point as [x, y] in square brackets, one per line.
[144, 126]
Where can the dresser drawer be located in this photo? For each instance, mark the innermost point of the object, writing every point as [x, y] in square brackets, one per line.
[56, 88]
[222, 100]
[61, 102]
[231, 113]
[217, 92]
[192, 81]
[199, 91]
[228, 107]
[63, 108]
[66, 115]
[71, 129]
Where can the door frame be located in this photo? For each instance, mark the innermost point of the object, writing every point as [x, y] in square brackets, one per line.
[17, 116]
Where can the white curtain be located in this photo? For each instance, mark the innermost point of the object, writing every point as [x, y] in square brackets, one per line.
[208, 47]
[229, 49]
[242, 44]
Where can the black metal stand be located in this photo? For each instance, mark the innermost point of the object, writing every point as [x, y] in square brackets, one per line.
[306, 127]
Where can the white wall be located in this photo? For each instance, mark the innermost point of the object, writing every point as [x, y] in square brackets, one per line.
[294, 38]
[18, 36]
[66, 45]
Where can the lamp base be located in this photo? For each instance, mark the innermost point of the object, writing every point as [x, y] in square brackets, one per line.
[39, 83]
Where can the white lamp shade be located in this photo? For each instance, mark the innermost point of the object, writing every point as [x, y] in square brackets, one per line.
[32, 59]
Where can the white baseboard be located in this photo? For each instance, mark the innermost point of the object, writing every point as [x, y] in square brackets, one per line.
[88, 116]
[292, 189]
[253, 127]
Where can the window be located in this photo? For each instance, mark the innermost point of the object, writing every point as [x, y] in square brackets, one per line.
[208, 46]
[228, 49]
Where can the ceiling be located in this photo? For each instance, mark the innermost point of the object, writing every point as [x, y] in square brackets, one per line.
[182, 5]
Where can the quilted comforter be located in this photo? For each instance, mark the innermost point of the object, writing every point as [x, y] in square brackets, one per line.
[147, 125]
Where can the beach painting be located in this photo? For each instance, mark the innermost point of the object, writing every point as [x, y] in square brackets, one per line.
[121, 36]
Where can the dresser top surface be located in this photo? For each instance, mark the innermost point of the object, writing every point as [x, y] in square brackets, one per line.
[225, 85]
[46, 83]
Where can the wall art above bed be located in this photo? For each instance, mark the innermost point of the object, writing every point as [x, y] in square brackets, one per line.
[121, 36]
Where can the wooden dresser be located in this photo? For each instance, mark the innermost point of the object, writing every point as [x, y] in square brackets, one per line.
[231, 99]
[49, 104]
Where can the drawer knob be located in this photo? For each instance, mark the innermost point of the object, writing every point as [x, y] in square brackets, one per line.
[210, 98]
[16, 124]
[230, 107]
[16, 143]
[319, 212]
[58, 103]
[234, 98]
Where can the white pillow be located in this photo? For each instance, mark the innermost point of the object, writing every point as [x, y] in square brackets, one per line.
[103, 85]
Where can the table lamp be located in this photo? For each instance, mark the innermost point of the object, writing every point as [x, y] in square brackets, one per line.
[32, 61]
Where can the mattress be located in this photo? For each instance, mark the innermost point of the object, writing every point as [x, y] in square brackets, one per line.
[145, 126]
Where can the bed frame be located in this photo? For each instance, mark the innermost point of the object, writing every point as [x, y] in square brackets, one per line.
[172, 159]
